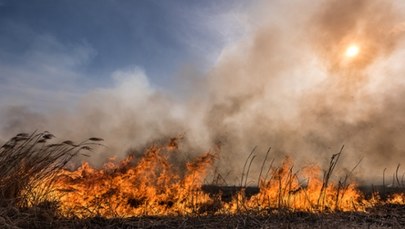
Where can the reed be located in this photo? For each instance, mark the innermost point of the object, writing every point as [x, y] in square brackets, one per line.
[29, 161]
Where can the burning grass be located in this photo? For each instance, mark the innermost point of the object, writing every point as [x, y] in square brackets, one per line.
[35, 183]
[29, 166]
[149, 187]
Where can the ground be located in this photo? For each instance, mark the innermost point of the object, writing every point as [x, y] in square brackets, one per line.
[384, 216]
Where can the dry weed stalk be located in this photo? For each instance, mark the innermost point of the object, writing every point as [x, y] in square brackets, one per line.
[28, 162]
[333, 162]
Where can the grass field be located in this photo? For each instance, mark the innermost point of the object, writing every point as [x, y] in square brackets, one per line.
[38, 191]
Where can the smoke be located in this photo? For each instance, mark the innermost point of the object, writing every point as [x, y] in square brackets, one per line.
[288, 85]
[292, 87]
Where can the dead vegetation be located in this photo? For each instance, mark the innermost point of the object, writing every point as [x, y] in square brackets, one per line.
[37, 192]
[28, 166]
[383, 216]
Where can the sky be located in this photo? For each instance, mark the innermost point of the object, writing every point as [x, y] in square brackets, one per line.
[235, 74]
[66, 48]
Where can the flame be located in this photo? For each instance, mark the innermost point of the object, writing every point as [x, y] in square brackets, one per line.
[302, 191]
[154, 185]
[397, 198]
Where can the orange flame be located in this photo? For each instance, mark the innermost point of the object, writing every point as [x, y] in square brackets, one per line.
[151, 187]
[154, 186]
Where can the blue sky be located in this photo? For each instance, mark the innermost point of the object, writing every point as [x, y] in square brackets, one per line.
[124, 70]
[65, 48]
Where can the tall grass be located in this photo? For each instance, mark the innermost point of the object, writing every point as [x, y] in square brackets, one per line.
[30, 160]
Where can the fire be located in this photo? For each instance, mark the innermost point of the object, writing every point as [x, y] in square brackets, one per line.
[157, 184]
[152, 186]
[397, 198]
[302, 191]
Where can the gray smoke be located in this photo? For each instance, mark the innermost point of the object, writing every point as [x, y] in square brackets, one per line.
[288, 85]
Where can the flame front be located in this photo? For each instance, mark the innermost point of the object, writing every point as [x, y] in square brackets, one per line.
[302, 191]
[151, 187]
[154, 186]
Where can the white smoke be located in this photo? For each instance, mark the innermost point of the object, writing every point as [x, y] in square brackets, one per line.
[283, 86]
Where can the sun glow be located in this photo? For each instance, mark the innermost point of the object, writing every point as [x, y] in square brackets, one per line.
[352, 51]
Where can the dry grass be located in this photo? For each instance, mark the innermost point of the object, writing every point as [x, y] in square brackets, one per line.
[383, 216]
[29, 162]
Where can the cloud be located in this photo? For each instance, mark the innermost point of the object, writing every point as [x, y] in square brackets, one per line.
[45, 75]
[283, 85]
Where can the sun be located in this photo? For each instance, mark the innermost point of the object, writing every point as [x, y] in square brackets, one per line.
[352, 51]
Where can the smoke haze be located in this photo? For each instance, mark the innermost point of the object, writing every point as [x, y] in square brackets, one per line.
[287, 85]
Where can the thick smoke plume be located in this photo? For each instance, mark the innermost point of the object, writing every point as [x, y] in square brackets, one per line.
[289, 86]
